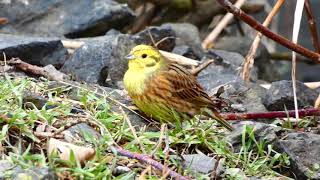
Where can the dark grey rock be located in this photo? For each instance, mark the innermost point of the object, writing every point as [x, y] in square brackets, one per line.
[34, 50]
[304, 152]
[262, 132]
[230, 64]
[71, 18]
[120, 170]
[242, 45]
[280, 95]
[159, 33]
[187, 35]
[98, 58]
[43, 173]
[237, 91]
[79, 132]
[185, 51]
[103, 57]
[201, 163]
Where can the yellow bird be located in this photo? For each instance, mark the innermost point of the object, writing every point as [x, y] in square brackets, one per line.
[164, 90]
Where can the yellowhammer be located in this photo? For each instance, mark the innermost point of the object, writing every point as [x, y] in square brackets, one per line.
[164, 90]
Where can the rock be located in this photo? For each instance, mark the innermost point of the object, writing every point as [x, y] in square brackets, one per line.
[118, 170]
[98, 58]
[34, 50]
[185, 51]
[103, 57]
[303, 150]
[71, 18]
[35, 173]
[225, 73]
[79, 132]
[242, 45]
[280, 96]
[231, 64]
[159, 33]
[187, 35]
[262, 132]
[201, 163]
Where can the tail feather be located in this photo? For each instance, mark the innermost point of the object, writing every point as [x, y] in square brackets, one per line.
[215, 115]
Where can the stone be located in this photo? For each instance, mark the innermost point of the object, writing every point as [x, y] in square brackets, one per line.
[242, 45]
[164, 34]
[303, 150]
[262, 132]
[185, 51]
[79, 132]
[225, 73]
[187, 35]
[10, 171]
[201, 163]
[98, 58]
[34, 50]
[280, 96]
[70, 18]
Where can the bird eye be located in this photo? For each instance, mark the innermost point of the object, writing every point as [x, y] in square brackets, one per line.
[144, 56]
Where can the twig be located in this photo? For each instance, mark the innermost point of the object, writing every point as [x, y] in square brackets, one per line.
[26, 67]
[3, 20]
[271, 115]
[266, 32]
[312, 26]
[223, 23]
[179, 59]
[317, 103]
[249, 60]
[72, 44]
[202, 66]
[133, 130]
[145, 18]
[148, 160]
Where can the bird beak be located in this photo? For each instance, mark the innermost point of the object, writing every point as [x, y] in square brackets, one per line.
[130, 57]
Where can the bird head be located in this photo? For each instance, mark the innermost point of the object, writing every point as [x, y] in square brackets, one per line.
[145, 59]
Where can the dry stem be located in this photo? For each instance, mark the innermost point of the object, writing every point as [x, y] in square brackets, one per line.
[312, 26]
[223, 23]
[249, 60]
[266, 32]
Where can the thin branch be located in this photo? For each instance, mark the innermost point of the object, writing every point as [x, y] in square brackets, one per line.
[271, 115]
[3, 20]
[223, 23]
[266, 32]
[201, 67]
[249, 60]
[317, 103]
[148, 160]
[312, 26]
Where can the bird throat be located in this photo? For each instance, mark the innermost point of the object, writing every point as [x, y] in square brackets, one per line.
[135, 82]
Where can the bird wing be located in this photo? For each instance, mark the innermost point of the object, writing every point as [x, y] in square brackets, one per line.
[185, 86]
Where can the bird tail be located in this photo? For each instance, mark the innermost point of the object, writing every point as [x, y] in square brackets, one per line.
[215, 115]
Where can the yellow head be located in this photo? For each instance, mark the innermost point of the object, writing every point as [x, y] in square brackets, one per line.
[145, 59]
[144, 62]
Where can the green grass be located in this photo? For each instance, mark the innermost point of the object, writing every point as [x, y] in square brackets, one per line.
[23, 148]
